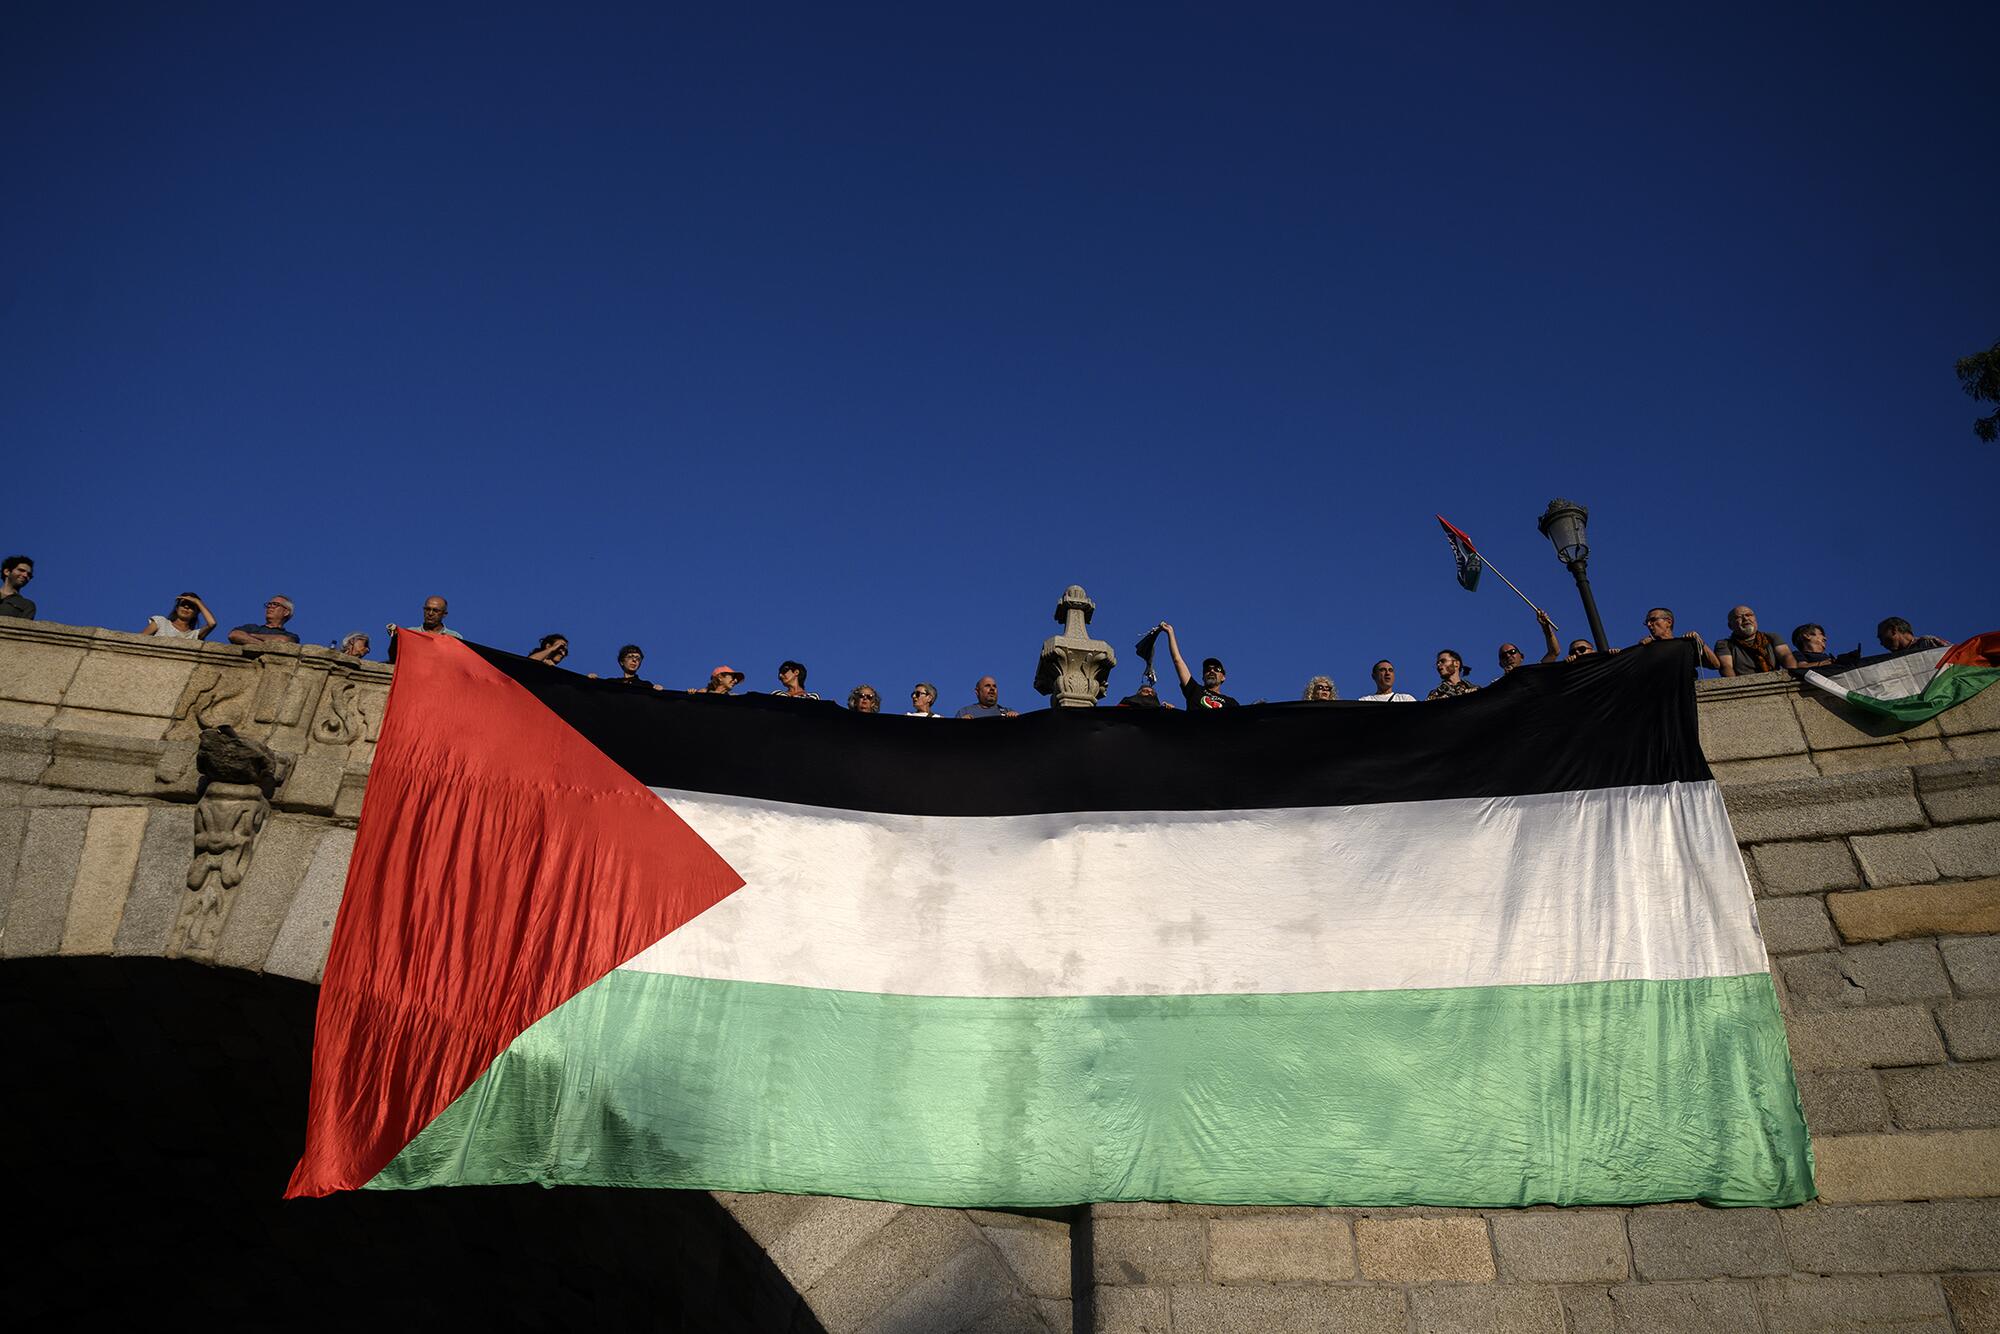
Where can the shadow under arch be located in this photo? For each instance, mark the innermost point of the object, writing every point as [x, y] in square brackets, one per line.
[154, 1110]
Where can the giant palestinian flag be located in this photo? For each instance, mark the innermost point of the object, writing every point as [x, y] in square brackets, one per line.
[1911, 688]
[1496, 950]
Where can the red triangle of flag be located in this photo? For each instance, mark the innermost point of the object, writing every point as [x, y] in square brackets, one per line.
[503, 864]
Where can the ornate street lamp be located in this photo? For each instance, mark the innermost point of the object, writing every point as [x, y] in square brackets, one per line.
[1562, 523]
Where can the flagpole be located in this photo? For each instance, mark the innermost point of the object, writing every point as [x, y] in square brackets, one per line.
[1517, 592]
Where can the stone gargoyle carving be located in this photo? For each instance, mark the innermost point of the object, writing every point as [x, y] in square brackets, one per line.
[238, 777]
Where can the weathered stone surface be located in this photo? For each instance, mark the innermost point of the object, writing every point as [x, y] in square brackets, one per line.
[13, 833]
[109, 722]
[1805, 868]
[135, 680]
[1975, 1301]
[1960, 790]
[42, 880]
[1140, 1209]
[1846, 1039]
[1939, 1097]
[1824, 807]
[1058, 1314]
[1750, 728]
[25, 752]
[1037, 1250]
[1866, 975]
[159, 881]
[1717, 1307]
[1140, 1252]
[827, 1230]
[1538, 1246]
[1280, 1250]
[277, 865]
[1737, 773]
[1974, 964]
[1948, 1164]
[103, 876]
[1132, 1311]
[1886, 754]
[1794, 924]
[1504, 1309]
[1971, 908]
[870, 1277]
[973, 1292]
[35, 717]
[1896, 859]
[314, 782]
[1670, 1242]
[1424, 1250]
[1805, 1305]
[1839, 1101]
[300, 949]
[1215, 1310]
[1971, 1029]
[1943, 1236]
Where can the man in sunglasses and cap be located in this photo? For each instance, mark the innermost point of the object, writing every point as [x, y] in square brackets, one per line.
[1208, 694]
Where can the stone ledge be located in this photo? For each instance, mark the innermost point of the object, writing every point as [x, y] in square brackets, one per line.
[1792, 809]
[1960, 790]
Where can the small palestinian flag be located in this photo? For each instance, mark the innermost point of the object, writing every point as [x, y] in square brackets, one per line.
[1502, 953]
[1470, 563]
[1915, 687]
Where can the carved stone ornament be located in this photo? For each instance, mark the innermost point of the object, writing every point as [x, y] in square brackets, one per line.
[345, 721]
[238, 777]
[1075, 669]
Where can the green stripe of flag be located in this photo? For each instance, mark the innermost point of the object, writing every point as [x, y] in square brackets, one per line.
[1594, 1093]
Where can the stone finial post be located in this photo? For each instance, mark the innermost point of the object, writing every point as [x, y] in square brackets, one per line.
[1075, 669]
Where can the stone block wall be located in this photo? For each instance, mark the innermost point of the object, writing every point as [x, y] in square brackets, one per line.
[1875, 856]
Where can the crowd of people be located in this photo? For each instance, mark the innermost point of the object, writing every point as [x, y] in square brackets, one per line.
[1745, 650]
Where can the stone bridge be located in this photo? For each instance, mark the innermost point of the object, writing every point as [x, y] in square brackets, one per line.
[163, 1032]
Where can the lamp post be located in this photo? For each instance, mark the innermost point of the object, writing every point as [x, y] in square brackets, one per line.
[1562, 523]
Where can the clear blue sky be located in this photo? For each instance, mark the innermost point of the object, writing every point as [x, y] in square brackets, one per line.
[853, 334]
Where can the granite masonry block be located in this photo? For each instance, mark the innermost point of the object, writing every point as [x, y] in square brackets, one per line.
[914, 1243]
[103, 877]
[39, 673]
[1906, 1303]
[1939, 1236]
[25, 752]
[1715, 1307]
[1866, 975]
[13, 833]
[1966, 909]
[1140, 1252]
[1975, 1302]
[1940, 1097]
[1801, 808]
[764, 1216]
[1794, 924]
[96, 762]
[1895, 859]
[300, 949]
[1888, 753]
[278, 863]
[1971, 1029]
[1138, 1209]
[1685, 1241]
[1280, 1250]
[43, 877]
[159, 882]
[1750, 728]
[824, 1233]
[1204, 1309]
[1538, 1246]
[147, 683]
[1132, 1311]
[1974, 964]
[1850, 1039]
[1507, 1308]
[1037, 1253]
[1960, 790]
[1424, 1250]
[1805, 868]
[973, 1293]
[1840, 1101]
[1946, 1164]
[1965, 850]
[1058, 1315]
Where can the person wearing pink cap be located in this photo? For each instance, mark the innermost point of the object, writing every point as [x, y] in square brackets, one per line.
[721, 681]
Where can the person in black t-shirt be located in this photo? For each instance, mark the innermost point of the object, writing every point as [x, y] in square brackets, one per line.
[1207, 695]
